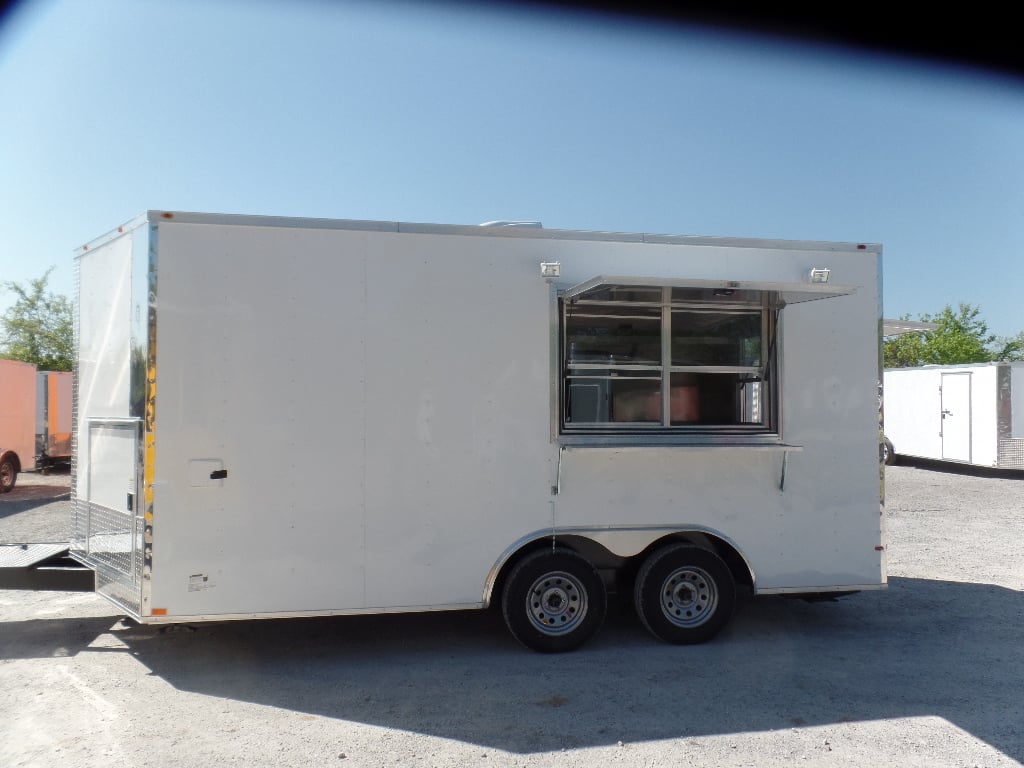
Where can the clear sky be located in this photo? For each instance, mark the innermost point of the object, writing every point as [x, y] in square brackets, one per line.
[434, 113]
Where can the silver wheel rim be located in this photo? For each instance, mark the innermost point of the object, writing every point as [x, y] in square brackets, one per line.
[556, 603]
[689, 597]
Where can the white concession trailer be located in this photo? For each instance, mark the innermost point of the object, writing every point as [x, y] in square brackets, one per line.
[970, 414]
[296, 417]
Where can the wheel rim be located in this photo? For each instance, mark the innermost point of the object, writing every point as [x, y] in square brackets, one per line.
[6, 474]
[556, 603]
[689, 597]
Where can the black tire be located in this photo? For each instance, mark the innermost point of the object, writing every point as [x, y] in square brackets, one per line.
[8, 474]
[684, 594]
[888, 452]
[554, 601]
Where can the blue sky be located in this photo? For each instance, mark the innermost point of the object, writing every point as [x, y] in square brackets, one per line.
[433, 113]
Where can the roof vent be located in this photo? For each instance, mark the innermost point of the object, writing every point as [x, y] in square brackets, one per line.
[502, 223]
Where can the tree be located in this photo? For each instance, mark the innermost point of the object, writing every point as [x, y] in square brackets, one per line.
[904, 351]
[39, 327]
[1009, 348]
[962, 337]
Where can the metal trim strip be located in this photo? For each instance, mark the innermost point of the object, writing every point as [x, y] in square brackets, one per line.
[125, 229]
[821, 590]
[148, 442]
[476, 230]
[146, 619]
[1004, 403]
[793, 293]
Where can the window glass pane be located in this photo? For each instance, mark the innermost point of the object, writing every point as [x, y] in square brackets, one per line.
[716, 296]
[626, 335]
[613, 400]
[721, 399]
[716, 338]
[615, 376]
[622, 293]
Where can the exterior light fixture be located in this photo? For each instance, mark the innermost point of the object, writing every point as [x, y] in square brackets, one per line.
[550, 269]
[818, 275]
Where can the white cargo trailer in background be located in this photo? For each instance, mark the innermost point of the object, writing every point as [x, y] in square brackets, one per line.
[971, 414]
[17, 421]
[294, 417]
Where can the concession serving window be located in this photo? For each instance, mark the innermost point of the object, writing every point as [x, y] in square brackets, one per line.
[648, 355]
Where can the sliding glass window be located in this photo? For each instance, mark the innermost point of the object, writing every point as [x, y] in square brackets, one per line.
[653, 358]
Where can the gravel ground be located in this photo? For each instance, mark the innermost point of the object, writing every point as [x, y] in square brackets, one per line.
[38, 509]
[926, 673]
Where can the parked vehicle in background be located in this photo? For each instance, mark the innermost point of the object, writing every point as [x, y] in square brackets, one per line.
[53, 419]
[17, 421]
[969, 414]
[35, 420]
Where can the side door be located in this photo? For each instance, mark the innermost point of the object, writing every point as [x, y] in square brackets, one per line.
[956, 416]
[115, 517]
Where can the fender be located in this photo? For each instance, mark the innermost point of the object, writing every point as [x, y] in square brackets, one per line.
[624, 542]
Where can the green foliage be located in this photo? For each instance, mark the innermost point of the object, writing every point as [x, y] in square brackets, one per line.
[906, 351]
[1009, 348]
[39, 327]
[962, 337]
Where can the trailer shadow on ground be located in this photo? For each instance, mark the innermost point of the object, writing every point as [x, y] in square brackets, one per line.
[954, 468]
[35, 490]
[25, 500]
[923, 648]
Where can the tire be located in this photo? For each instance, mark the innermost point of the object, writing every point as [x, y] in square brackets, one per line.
[554, 601]
[684, 594]
[8, 474]
[888, 452]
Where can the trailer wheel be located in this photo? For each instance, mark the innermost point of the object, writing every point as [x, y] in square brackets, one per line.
[888, 452]
[8, 474]
[553, 601]
[684, 594]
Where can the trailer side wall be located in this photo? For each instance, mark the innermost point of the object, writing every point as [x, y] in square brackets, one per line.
[287, 417]
[381, 404]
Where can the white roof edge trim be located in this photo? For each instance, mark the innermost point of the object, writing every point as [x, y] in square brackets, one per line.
[158, 216]
[127, 228]
[792, 293]
[511, 223]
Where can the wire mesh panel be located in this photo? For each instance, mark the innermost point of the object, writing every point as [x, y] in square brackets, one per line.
[116, 589]
[110, 539]
[111, 536]
[1011, 453]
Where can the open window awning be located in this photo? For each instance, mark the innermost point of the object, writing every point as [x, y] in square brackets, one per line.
[788, 293]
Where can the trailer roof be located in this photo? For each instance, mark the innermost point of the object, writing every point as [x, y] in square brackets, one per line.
[901, 327]
[493, 229]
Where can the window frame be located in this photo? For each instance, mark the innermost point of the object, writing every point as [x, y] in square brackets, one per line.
[768, 306]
